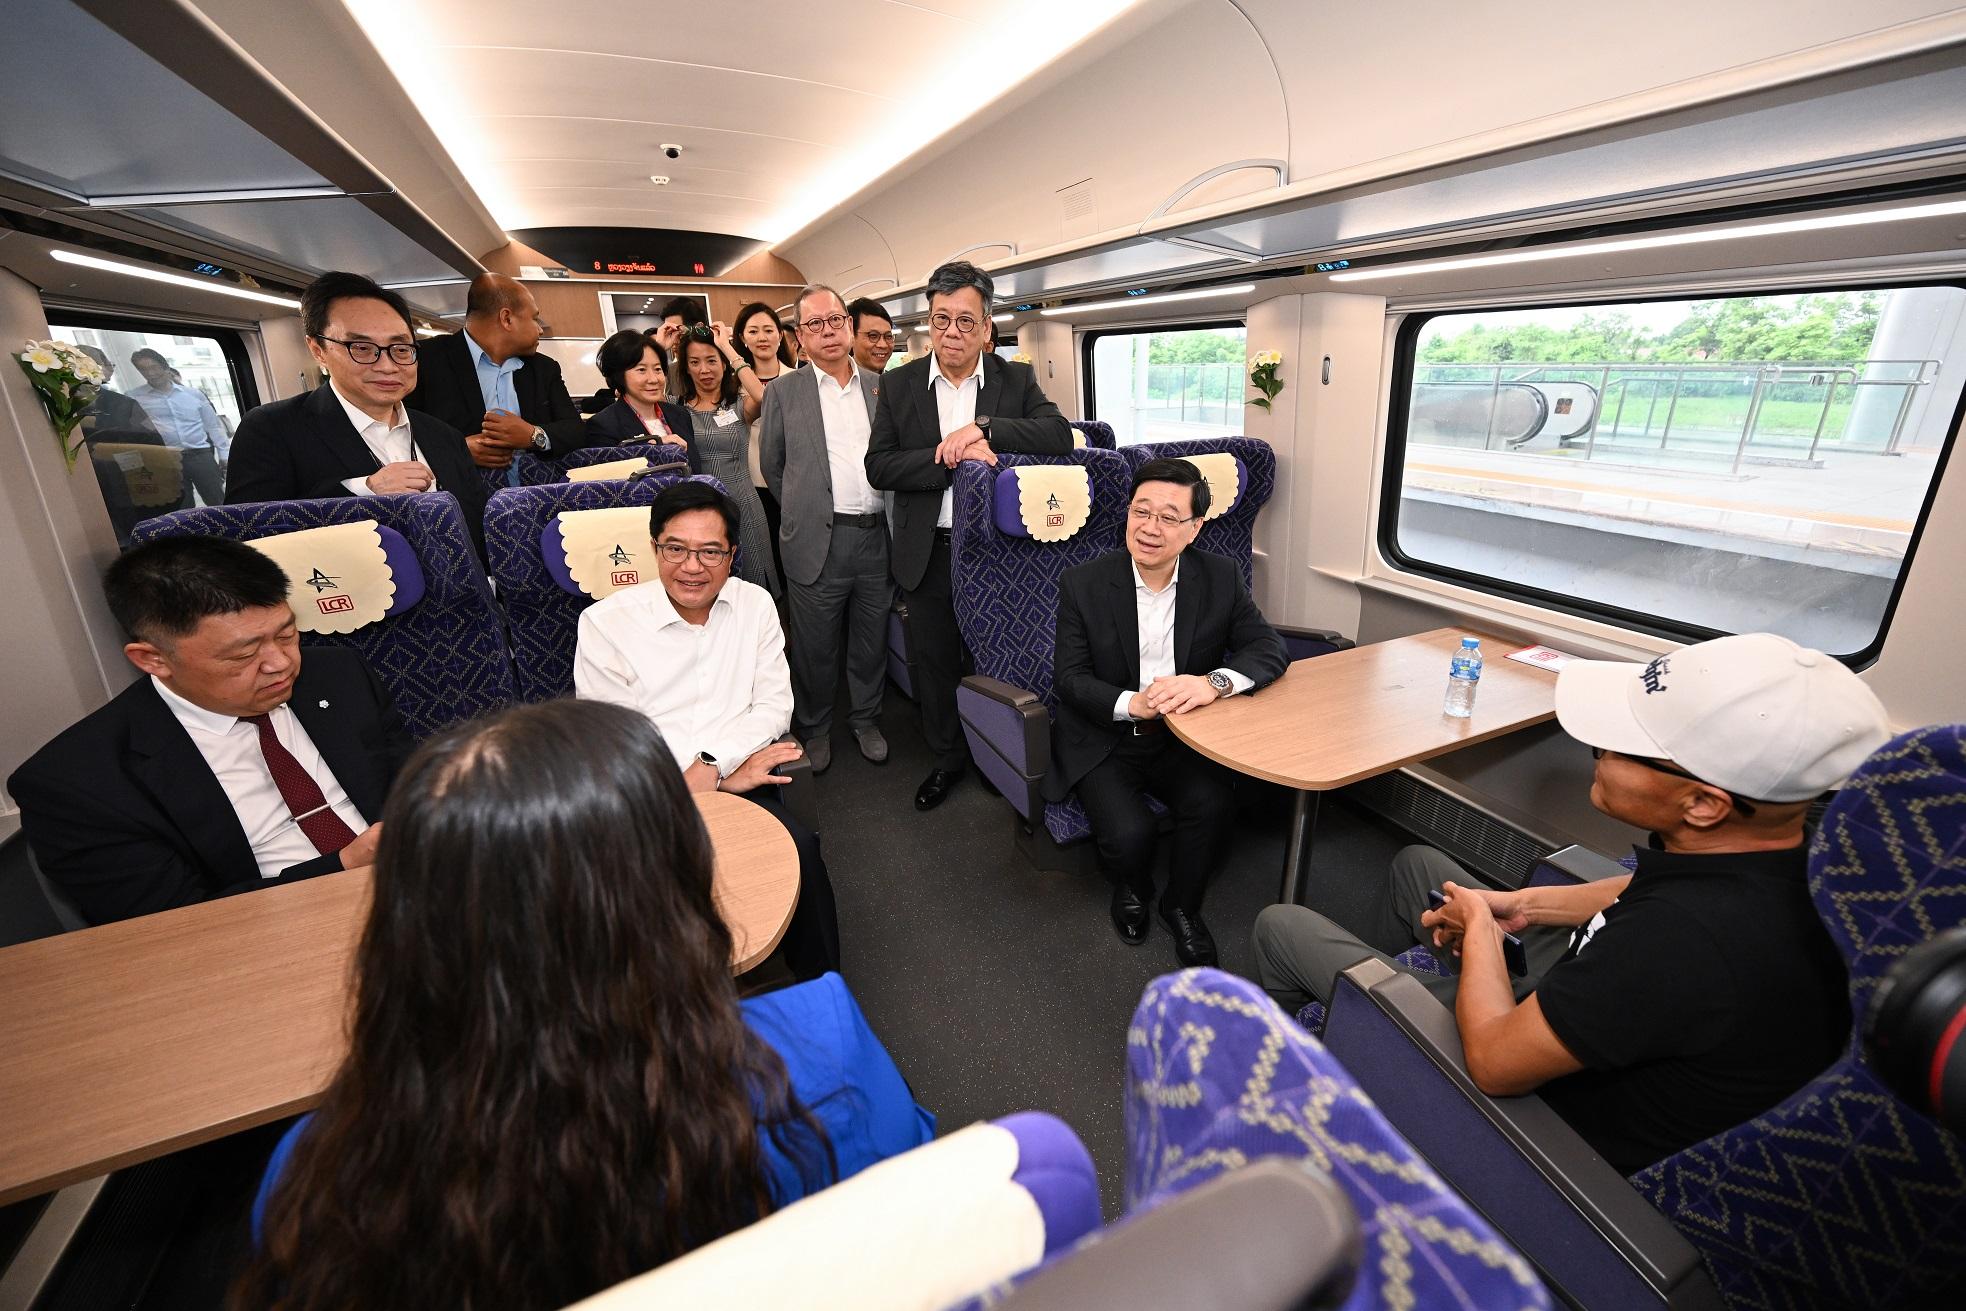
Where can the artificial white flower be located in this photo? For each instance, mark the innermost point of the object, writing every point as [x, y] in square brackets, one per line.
[40, 357]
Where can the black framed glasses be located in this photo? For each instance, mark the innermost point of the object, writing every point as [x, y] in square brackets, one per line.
[708, 556]
[1140, 514]
[1741, 803]
[964, 323]
[700, 332]
[820, 323]
[368, 352]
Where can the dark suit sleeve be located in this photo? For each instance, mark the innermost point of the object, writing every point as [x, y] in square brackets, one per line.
[890, 465]
[565, 429]
[1072, 671]
[392, 736]
[262, 465]
[1255, 650]
[1038, 428]
[771, 441]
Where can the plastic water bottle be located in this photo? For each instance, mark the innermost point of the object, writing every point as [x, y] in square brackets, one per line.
[1463, 677]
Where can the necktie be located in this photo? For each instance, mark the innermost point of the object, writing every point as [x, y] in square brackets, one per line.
[302, 794]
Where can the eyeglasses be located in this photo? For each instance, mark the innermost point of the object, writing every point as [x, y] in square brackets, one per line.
[1741, 803]
[830, 323]
[1140, 514]
[700, 332]
[708, 556]
[965, 323]
[368, 352]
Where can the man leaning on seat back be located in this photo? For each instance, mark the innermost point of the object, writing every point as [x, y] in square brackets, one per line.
[702, 655]
[231, 766]
[1672, 1003]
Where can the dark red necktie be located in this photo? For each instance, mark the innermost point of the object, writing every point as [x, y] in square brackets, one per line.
[302, 794]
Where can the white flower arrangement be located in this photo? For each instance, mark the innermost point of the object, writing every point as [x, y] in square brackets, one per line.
[67, 381]
[1263, 366]
[1020, 358]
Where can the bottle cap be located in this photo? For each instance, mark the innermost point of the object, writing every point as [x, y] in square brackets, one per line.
[1471, 641]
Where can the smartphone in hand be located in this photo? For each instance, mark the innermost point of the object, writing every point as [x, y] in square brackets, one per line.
[1513, 954]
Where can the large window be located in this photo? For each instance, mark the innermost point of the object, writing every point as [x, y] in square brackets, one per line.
[160, 431]
[1737, 464]
[1165, 384]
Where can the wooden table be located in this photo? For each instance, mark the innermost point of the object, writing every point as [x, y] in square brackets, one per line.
[132, 1040]
[1335, 719]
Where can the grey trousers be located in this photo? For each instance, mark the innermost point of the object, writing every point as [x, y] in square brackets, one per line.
[845, 608]
[1300, 953]
[202, 472]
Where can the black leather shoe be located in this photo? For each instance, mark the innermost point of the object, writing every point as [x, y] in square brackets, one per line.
[1193, 945]
[1129, 915]
[935, 787]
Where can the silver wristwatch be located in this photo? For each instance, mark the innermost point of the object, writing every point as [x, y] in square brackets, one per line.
[539, 442]
[1222, 683]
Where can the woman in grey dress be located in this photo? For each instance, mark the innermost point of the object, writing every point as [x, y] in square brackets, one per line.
[721, 413]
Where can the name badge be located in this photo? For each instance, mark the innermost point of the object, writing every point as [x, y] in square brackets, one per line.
[725, 418]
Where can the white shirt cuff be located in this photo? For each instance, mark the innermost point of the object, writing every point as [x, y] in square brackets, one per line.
[1238, 683]
[1120, 715]
[359, 487]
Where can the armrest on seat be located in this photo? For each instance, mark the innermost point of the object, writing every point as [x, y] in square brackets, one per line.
[801, 795]
[1273, 1236]
[1575, 864]
[1009, 732]
[1589, 1233]
[1303, 643]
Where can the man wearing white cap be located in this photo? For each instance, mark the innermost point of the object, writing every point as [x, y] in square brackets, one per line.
[1663, 1006]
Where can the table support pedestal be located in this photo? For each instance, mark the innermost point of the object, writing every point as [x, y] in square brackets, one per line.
[1297, 847]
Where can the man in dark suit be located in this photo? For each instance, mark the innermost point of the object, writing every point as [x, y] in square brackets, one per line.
[355, 436]
[490, 384]
[1142, 634]
[230, 767]
[960, 402]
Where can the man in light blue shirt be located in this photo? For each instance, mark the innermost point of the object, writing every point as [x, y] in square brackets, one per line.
[186, 421]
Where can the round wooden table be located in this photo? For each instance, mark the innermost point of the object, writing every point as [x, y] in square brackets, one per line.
[756, 885]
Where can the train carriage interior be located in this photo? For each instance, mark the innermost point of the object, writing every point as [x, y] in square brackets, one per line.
[1595, 334]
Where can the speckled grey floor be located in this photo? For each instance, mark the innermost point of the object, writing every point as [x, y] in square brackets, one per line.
[999, 988]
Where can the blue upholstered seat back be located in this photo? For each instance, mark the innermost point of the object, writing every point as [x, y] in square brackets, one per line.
[1843, 1195]
[533, 472]
[444, 659]
[1233, 533]
[1006, 588]
[1096, 433]
[656, 454]
[545, 616]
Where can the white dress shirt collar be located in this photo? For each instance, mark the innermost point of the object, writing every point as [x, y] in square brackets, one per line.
[363, 421]
[852, 377]
[663, 610]
[1140, 583]
[193, 717]
[935, 372]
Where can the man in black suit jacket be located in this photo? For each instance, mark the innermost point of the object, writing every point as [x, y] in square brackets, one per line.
[1152, 631]
[183, 787]
[958, 403]
[490, 384]
[355, 436]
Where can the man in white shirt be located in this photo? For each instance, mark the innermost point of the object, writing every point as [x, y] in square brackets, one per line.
[230, 766]
[354, 436]
[186, 421]
[1152, 631]
[812, 446]
[701, 654]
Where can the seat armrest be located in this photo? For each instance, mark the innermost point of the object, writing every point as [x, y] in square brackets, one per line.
[801, 795]
[1009, 734]
[1576, 864]
[1274, 1236]
[1303, 643]
[1595, 1240]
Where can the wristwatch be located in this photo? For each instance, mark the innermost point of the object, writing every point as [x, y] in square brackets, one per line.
[983, 422]
[1222, 683]
[539, 442]
[705, 758]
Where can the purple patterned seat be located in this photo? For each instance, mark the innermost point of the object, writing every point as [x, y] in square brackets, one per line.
[1096, 433]
[541, 603]
[657, 454]
[444, 658]
[1233, 533]
[1006, 595]
[533, 472]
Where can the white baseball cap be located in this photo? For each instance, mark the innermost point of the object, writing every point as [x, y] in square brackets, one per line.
[1755, 715]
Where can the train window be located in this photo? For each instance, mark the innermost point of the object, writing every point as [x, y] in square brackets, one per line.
[1689, 467]
[1164, 384]
[160, 431]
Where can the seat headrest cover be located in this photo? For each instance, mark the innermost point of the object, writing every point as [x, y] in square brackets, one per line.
[153, 475]
[612, 469]
[1078, 439]
[598, 552]
[1226, 479]
[345, 576]
[1044, 502]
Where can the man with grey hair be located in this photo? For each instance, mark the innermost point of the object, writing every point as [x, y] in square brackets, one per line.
[812, 446]
[958, 402]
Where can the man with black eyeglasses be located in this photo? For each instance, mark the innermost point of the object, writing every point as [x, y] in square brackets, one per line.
[355, 436]
[701, 654]
[1666, 1005]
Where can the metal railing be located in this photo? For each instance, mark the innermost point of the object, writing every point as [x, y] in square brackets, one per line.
[1193, 393]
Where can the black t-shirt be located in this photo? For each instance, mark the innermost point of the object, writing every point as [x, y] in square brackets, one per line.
[1710, 992]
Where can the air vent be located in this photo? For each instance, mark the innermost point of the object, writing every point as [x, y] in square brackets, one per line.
[1075, 210]
[1498, 851]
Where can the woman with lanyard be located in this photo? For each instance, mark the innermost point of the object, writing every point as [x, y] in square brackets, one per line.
[720, 412]
[756, 331]
[637, 371]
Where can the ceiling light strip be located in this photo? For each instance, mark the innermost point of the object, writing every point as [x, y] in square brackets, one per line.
[1129, 302]
[175, 279]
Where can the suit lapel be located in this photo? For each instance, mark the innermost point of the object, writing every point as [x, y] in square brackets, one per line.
[166, 763]
[990, 392]
[815, 428]
[329, 714]
[1187, 600]
[1126, 616]
[331, 425]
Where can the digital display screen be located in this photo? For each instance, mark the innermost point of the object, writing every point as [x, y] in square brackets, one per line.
[1332, 266]
[640, 252]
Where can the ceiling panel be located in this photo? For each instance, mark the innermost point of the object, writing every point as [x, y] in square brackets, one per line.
[335, 233]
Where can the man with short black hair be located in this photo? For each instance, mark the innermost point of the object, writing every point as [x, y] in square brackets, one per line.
[231, 766]
[959, 402]
[873, 334]
[679, 314]
[490, 382]
[1143, 633]
[355, 436]
[1666, 1005]
[701, 654]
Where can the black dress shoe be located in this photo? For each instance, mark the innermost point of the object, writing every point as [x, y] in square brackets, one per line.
[1129, 915]
[1193, 944]
[935, 787]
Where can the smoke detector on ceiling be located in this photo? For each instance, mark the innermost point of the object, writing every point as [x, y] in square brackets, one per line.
[660, 180]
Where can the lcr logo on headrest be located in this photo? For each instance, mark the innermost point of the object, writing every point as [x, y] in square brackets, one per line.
[1053, 518]
[339, 603]
[1654, 676]
[624, 578]
[618, 556]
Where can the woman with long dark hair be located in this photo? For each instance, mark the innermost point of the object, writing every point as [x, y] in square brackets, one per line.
[550, 1084]
[720, 414]
[755, 329]
[637, 372]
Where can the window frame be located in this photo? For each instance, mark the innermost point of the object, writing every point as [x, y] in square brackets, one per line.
[231, 342]
[1392, 469]
[1089, 391]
